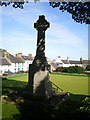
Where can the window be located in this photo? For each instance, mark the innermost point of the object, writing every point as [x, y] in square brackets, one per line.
[15, 70]
[15, 64]
[18, 69]
[18, 64]
[0, 71]
[22, 64]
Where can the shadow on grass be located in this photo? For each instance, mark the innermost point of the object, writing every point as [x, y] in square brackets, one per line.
[10, 86]
[76, 107]
[37, 108]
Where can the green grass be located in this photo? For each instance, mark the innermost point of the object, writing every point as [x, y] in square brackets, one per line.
[77, 85]
[72, 84]
[9, 110]
[22, 77]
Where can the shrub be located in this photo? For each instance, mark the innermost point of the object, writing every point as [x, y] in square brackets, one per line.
[59, 69]
[76, 69]
[71, 69]
[88, 67]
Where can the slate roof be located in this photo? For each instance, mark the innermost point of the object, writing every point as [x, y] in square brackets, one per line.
[65, 61]
[4, 61]
[75, 62]
[15, 59]
[27, 58]
[54, 65]
[86, 62]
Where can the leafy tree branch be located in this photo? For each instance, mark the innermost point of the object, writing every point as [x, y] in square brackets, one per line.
[80, 10]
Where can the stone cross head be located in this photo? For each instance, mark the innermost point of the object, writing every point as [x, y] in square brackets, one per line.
[41, 24]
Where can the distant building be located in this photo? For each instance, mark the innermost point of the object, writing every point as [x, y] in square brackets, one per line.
[53, 66]
[20, 62]
[67, 63]
[75, 63]
[85, 63]
[14, 64]
[4, 65]
[17, 63]
[27, 60]
[2, 51]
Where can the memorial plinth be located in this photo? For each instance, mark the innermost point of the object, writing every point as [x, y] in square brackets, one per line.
[39, 82]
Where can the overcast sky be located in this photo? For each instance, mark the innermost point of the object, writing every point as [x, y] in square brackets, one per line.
[64, 38]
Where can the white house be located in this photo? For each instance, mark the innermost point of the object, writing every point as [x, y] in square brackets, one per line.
[14, 64]
[62, 63]
[59, 61]
[17, 63]
[66, 63]
[75, 63]
[5, 65]
[27, 60]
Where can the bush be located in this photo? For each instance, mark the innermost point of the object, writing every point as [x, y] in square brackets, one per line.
[76, 69]
[71, 69]
[59, 69]
[88, 67]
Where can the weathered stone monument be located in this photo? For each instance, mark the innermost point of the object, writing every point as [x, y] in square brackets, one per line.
[39, 82]
[37, 99]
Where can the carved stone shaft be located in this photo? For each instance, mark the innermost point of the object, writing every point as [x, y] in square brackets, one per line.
[41, 26]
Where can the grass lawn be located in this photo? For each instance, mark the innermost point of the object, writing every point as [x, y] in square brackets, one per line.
[77, 85]
[22, 77]
[72, 84]
[9, 110]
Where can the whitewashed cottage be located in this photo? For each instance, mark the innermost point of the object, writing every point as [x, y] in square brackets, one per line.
[27, 60]
[5, 65]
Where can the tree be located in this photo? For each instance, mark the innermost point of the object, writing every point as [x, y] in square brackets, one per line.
[80, 10]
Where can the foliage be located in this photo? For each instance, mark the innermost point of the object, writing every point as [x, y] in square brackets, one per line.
[59, 69]
[79, 10]
[71, 110]
[76, 69]
[71, 69]
[85, 105]
[88, 67]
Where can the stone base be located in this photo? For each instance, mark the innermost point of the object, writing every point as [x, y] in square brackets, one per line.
[39, 80]
[42, 85]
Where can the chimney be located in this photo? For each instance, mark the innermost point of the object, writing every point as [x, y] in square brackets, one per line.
[59, 56]
[6, 54]
[81, 60]
[30, 55]
[67, 58]
[18, 54]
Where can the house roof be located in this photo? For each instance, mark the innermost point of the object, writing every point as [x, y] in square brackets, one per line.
[65, 61]
[4, 61]
[54, 65]
[15, 59]
[86, 62]
[27, 58]
[75, 62]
